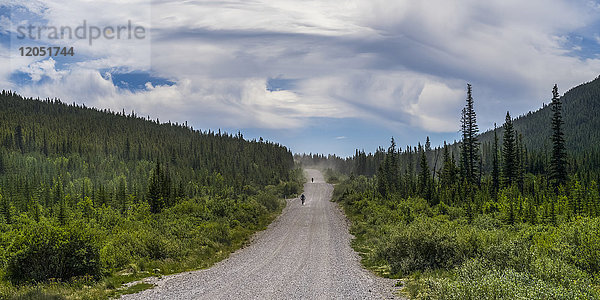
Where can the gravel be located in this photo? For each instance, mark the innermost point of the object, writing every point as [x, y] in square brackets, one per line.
[304, 254]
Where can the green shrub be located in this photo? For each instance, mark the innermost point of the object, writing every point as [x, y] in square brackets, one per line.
[269, 201]
[44, 251]
[580, 243]
[422, 245]
[249, 212]
[218, 232]
[479, 279]
[128, 246]
[291, 189]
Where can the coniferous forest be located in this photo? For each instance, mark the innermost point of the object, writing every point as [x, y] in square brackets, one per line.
[93, 198]
[511, 213]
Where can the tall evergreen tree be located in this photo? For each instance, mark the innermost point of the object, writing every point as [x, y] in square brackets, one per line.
[427, 144]
[495, 165]
[520, 169]
[448, 172]
[558, 160]
[509, 153]
[121, 195]
[464, 159]
[160, 189]
[470, 144]
[155, 198]
[19, 138]
[389, 172]
[424, 177]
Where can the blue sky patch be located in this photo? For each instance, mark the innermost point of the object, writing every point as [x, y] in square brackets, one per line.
[280, 84]
[136, 81]
[20, 78]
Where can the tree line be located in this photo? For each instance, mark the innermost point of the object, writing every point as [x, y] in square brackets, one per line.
[53, 152]
[511, 213]
[482, 169]
[87, 194]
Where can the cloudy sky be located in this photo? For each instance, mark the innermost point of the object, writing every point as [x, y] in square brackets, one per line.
[317, 76]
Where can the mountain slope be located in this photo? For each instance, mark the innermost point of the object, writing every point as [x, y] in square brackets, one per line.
[581, 114]
[118, 194]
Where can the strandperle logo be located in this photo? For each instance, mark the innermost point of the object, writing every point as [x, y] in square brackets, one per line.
[84, 31]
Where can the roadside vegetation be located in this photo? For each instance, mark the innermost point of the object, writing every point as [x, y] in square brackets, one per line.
[499, 219]
[92, 199]
[441, 254]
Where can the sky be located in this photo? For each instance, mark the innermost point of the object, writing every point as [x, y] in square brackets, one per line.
[316, 76]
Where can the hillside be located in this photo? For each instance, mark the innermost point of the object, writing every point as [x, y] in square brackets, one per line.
[581, 112]
[519, 232]
[87, 195]
[103, 145]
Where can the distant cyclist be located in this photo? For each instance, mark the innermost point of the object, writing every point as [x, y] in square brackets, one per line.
[302, 198]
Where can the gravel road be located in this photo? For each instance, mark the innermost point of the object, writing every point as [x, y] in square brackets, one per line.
[304, 254]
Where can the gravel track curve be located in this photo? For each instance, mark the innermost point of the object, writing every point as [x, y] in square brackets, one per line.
[304, 254]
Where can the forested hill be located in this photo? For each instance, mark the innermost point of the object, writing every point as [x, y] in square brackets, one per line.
[92, 152]
[517, 219]
[581, 114]
[89, 195]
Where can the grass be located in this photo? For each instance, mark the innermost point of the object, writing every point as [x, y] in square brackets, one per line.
[136, 288]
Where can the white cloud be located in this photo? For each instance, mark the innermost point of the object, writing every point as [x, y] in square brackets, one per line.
[435, 102]
[396, 63]
[212, 103]
[43, 68]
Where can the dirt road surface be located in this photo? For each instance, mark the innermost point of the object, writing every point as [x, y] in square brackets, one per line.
[304, 254]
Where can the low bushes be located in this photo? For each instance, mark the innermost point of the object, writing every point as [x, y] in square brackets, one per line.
[193, 233]
[481, 279]
[444, 255]
[43, 251]
[423, 244]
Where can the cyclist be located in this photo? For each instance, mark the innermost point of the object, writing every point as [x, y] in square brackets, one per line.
[302, 198]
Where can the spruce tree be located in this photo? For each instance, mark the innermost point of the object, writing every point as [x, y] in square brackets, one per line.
[448, 172]
[121, 195]
[166, 188]
[470, 144]
[19, 138]
[509, 156]
[154, 190]
[558, 161]
[424, 177]
[495, 165]
[390, 170]
[520, 161]
[463, 147]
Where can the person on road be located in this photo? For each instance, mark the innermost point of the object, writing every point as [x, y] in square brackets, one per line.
[312, 180]
[302, 198]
